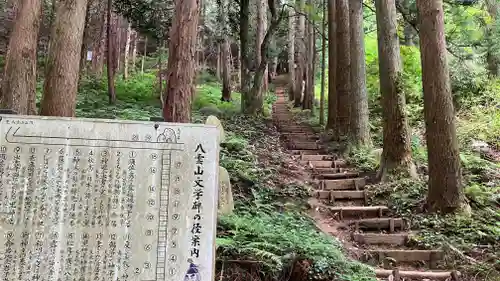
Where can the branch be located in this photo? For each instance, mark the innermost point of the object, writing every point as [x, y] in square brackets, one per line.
[308, 20]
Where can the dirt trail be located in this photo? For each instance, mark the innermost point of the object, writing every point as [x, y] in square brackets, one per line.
[338, 205]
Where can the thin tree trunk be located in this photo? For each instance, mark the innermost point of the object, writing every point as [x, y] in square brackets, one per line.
[445, 178]
[238, 62]
[299, 71]
[396, 155]
[261, 32]
[359, 126]
[144, 54]
[18, 91]
[127, 51]
[110, 57]
[492, 57]
[323, 67]
[226, 71]
[10, 12]
[246, 98]
[408, 31]
[291, 53]
[63, 69]
[218, 70]
[181, 62]
[310, 51]
[332, 61]
[84, 48]
[134, 51]
[118, 45]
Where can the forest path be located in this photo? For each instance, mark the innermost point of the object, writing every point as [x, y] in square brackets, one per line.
[337, 205]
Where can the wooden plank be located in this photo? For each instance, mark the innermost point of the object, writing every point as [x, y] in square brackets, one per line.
[406, 255]
[319, 157]
[358, 212]
[380, 238]
[350, 194]
[336, 176]
[344, 184]
[321, 164]
[303, 145]
[433, 275]
[377, 223]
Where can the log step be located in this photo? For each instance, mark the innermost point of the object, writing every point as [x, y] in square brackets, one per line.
[333, 176]
[430, 256]
[303, 145]
[390, 224]
[419, 275]
[399, 239]
[338, 195]
[319, 157]
[318, 171]
[358, 212]
[343, 184]
[304, 152]
[316, 165]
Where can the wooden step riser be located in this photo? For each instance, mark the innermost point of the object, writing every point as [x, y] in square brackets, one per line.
[380, 239]
[379, 224]
[332, 196]
[343, 184]
[304, 146]
[432, 258]
[317, 157]
[336, 176]
[418, 275]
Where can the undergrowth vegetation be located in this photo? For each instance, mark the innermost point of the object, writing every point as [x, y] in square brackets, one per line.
[273, 235]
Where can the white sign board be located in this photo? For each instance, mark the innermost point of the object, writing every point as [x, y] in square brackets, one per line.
[84, 199]
[89, 55]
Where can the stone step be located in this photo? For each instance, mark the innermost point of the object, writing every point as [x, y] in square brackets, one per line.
[418, 275]
[367, 224]
[317, 157]
[333, 176]
[432, 257]
[343, 184]
[399, 239]
[357, 212]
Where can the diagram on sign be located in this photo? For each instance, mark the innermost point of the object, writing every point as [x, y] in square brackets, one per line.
[168, 137]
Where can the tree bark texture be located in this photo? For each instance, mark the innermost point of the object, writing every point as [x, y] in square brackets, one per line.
[323, 67]
[492, 58]
[332, 65]
[359, 126]
[396, 155]
[18, 91]
[445, 184]
[301, 51]
[86, 37]
[245, 61]
[8, 17]
[261, 32]
[310, 51]
[343, 68]
[63, 69]
[135, 38]
[144, 54]
[226, 53]
[127, 52]
[291, 54]
[99, 45]
[111, 52]
[182, 62]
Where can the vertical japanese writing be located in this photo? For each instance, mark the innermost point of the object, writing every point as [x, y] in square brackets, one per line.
[3, 193]
[197, 228]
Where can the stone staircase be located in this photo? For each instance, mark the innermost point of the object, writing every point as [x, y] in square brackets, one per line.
[372, 235]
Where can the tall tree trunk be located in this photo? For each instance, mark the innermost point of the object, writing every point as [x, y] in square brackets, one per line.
[246, 98]
[63, 69]
[99, 46]
[261, 32]
[396, 155]
[118, 44]
[310, 51]
[18, 91]
[256, 103]
[135, 37]
[408, 31]
[10, 14]
[144, 54]
[343, 68]
[181, 62]
[323, 67]
[300, 70]
[86, 36]
[238, 63]
[127, 51]
[218, 70]
[332, 61]
[291, 53]
[492, 57]
[445, 184]
[110, 56]
[359, 126]
[226, 53]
